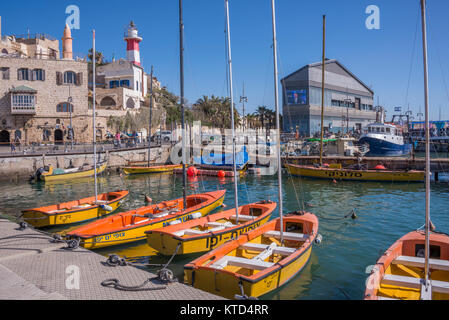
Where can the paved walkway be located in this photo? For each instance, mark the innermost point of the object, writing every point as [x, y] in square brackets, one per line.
[33, 267]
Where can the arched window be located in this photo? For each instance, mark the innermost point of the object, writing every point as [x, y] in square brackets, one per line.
[64, 107]
[69, 77]
[4, 51]
[130, 103]
[107, 102]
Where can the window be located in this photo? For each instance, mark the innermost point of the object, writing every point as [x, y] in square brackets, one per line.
[23, 101]
[124, 83]
[23, 74]
[5, 73]
[137, 85]
[64, 107]
[38, 74]
[113, 84]
[69, 77]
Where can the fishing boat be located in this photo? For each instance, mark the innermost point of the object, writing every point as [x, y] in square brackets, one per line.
[257, 262]
[131, 226]
[266, 257]
[219, 160]
[354, 174]
[206, 233]
[415, 267]
[384, 140]
[50, 173]
[151, 169]
[75, 211]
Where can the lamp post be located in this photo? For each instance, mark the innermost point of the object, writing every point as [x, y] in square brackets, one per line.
[69, 100]
[243, 99]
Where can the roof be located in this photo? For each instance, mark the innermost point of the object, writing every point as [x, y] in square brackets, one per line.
[329, 61]
[23, 89]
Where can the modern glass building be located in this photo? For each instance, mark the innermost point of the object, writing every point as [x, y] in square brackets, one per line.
[348, 102]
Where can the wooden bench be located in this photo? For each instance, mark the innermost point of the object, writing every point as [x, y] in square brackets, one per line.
[283, 251]
[242, 263]
[219, 224]
[286, 235]
[243, 217]
[415, 283]
[436, 264]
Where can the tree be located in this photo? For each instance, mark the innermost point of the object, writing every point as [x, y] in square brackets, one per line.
[99, 58]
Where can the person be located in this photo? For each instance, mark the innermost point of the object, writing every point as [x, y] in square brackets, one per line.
[135, 137]
[117, 139]
[13, 147]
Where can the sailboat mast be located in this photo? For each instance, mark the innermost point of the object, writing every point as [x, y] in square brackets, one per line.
[322, 89]
[93, 118]
[278, 125]
[181, 76]
[149, 121]
[231, 93]
[426, 112]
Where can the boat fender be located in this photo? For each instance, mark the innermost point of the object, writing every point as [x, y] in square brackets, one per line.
[106, 207]
[174, 222]
[318, 239]
[196, 215]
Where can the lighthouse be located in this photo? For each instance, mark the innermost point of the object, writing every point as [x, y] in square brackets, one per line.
[132, 48]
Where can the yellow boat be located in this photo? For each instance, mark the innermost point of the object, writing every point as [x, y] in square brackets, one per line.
[256, 262]
[206, 233]
[75, 211]
[151, 169]
[49, 173]
[356, 175]
[399, 274]
[131, 226]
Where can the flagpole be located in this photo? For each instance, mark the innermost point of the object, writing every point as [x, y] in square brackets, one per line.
[93, 108]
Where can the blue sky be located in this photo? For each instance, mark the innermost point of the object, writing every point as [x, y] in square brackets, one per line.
[381, 58]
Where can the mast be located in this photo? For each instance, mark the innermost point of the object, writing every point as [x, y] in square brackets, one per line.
[322, 89]
[278, 133]
[181, 76]
[231, 93]
[426, 112]
[93, 119]
[149, 122]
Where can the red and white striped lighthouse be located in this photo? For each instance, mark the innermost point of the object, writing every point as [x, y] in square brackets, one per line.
[132, 47]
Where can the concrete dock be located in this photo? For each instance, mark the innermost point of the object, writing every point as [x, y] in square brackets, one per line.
[33, 267]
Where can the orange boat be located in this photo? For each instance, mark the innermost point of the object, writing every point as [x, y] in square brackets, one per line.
[75, 211]
[256, 262]
[131, 226]
[399, 273]
[206, 233]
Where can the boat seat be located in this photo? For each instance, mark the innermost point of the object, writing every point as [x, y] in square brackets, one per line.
[287, 235]
[243, 217]
[385, 298]
[255, 264]
[220, 224]
[283, 251]
[436, 264]
[189, 232]
[101, 201]
[415, 283]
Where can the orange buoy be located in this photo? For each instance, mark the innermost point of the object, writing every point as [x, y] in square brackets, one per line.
[221, 174]
[192, 171]
[379, 167]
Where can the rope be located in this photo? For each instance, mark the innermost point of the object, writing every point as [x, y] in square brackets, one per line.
[115, 283]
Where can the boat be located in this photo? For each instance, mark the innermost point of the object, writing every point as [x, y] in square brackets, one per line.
[415, 267]
[50, 173]
[130, 226]
[266, 257]
[219, 160]
[256, 262]
[75, 211]
[151, 169]
[204, 234]
[384, 140]
[336, 172]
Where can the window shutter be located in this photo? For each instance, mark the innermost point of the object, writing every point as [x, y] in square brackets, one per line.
[43, 75]
[58, 78]
[33, 75]
[19, 74]
[6, 74]
[79, 78]
[28, 73]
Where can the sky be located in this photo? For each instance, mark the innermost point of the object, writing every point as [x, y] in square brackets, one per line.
[389, 59]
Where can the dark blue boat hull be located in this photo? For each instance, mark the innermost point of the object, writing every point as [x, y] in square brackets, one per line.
[382, 148]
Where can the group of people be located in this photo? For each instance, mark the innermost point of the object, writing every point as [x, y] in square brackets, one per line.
[130, 141]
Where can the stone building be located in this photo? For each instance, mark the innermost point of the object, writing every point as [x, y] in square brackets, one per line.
[41, 94]
[348, 102]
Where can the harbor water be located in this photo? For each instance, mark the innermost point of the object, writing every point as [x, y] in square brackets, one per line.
[338, 266]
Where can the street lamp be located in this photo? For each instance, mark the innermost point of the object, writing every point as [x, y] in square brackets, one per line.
[69, 100]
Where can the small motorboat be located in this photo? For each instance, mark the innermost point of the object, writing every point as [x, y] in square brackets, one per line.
[75, 211]
[131, 226]
[257, 262]
[151, 169]
[49, 173]
[399, 273]
[206, 233]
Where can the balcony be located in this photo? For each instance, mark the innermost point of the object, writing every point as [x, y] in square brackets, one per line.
[23, 100]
